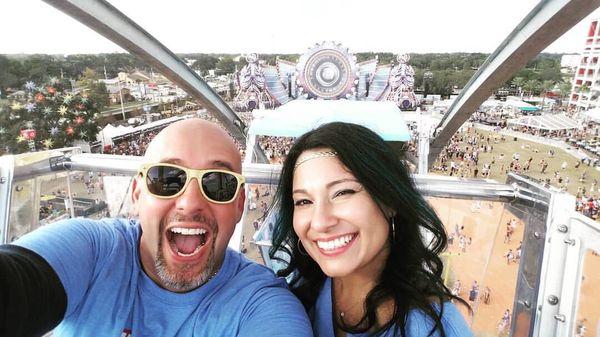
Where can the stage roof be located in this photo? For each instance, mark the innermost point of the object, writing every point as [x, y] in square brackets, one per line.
[299, 116]
[546, 122]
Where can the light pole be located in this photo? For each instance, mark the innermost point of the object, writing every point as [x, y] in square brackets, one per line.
[121, 97]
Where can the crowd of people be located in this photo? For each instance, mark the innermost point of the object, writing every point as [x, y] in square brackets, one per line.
[462, 157]
[504, 322]
[276, 148]
[473, 293]
[136, 144]
[462, 237]
[459, 237]
[133, 145]
[587, 206]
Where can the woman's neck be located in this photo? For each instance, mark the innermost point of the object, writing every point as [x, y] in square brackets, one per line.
[349, 292]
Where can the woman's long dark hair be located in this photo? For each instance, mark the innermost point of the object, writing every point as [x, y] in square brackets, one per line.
[412, 275]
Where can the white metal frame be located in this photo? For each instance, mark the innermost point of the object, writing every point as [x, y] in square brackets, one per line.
[7, 164]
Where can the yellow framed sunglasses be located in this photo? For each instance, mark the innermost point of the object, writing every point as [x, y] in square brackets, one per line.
[166, 181]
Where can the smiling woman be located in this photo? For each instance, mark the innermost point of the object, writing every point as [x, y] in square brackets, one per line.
[351, 223]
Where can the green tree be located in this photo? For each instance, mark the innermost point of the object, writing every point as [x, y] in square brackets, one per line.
[565, 89]
[226, 65]
[546, 86]
[441, 83]
[93, 88]
[116, 63]
[519, 82]
[532, 86]
[9, 74]
[527, 74]
[39, 68]
[204, 63]
[241, 63]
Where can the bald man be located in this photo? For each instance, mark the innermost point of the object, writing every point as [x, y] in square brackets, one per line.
[169, 273]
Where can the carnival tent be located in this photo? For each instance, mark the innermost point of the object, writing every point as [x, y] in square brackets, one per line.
[591, 115]
[546, 122]
[299, 116]
[109, 132]
[520, 105]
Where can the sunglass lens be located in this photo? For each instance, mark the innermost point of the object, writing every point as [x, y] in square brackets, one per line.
[165, 180]
[219, 186]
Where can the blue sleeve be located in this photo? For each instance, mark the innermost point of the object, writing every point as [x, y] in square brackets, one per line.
[73, 248]
[454, 322]
[274, 312]
[419, 324]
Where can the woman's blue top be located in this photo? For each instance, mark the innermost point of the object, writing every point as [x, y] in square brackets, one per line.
[418, 323]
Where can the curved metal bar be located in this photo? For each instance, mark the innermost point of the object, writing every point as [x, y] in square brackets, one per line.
[117, 27]
[544, 24]
[7, 164]
[440, 186]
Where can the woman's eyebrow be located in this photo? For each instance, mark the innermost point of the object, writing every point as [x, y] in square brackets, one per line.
[328, 185]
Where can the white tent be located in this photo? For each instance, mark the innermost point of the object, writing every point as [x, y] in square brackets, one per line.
[591, 115]
[300, 116]
[109, 132]
[519, 104]
[546, 122]
[297, 117]
[151, 126]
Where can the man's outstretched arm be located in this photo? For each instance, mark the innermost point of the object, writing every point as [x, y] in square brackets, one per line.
[32, 298]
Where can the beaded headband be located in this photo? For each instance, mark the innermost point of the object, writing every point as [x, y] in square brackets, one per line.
[320, 154]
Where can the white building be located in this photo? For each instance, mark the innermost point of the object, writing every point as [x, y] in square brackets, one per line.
[585, 92]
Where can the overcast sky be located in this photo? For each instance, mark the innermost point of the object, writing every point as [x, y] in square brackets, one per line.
[282, 26]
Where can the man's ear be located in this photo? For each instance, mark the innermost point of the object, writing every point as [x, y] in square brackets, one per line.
[241, 201]
[136, 189]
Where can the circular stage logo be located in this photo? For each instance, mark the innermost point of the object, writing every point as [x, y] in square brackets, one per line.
[327, 71]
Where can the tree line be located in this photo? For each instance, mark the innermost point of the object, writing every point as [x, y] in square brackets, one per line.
[435, 73]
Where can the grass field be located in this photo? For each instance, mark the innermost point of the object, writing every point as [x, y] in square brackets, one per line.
[527, 149]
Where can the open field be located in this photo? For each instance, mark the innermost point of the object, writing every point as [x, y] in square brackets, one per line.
[503, 151]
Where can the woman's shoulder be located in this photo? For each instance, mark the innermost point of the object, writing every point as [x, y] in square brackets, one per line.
[453, 322]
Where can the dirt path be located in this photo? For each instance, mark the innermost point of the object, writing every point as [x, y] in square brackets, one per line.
[483, 260]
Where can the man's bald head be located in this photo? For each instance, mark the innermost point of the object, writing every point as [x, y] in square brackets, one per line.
[193, 136]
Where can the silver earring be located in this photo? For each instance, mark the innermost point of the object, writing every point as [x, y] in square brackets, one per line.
[300, 248]
[393, 230]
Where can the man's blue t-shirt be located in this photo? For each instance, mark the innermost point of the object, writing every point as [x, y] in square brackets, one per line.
[418, 324]
[108, 293]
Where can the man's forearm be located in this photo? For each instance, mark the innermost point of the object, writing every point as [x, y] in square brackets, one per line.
[32, 298]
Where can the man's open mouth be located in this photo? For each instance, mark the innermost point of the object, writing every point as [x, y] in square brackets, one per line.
[186, 242]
